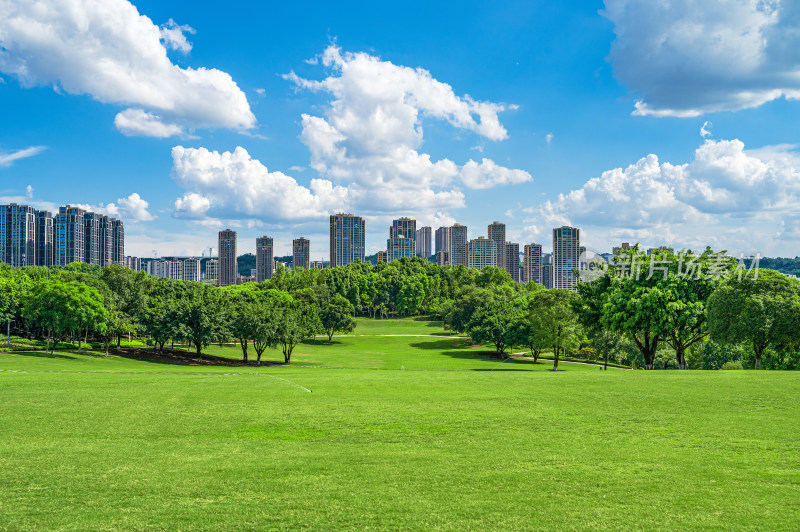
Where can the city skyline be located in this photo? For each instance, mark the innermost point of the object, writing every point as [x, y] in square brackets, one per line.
[542, 131]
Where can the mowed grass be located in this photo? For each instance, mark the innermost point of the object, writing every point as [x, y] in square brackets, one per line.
[451, 443]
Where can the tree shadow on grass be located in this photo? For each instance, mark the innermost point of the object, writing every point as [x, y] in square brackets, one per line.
[174, 357]
[38, 354]
[321, 341]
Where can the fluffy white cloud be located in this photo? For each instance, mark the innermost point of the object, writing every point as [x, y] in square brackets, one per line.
[106, 49]
[487, 174]
[134, 208]
[7, 158]
[234, 185]
[727, 197]
[689, 57]
[372, 130]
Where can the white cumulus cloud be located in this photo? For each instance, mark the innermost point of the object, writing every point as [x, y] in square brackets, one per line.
[372, 130]
[106, 49]
[688, 57]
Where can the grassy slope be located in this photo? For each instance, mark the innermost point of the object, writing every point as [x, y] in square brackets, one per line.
[191, 447]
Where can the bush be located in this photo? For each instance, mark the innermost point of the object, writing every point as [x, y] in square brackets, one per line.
[732, 364]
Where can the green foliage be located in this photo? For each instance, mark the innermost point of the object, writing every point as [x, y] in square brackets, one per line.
[336, 315]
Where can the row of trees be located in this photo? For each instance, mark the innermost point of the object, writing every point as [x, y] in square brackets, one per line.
[619, 316]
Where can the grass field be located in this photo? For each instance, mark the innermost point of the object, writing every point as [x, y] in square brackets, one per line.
[454, 441]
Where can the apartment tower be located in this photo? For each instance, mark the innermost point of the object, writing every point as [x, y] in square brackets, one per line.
[347, 239]
[228, 270]
[424, 242]
[264, 258]
[301, 251]
[532, 264]
[566, 256]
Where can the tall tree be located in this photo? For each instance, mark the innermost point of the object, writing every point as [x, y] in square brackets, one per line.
[336, 316]
[763, 312]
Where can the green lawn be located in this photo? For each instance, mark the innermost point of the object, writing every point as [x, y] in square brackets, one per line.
[457, 441]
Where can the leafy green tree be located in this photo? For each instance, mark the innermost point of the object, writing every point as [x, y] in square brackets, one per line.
[494, 323]
[553, 309]
[763, 312]
[294, 323]
[336, 316]
[200, 312]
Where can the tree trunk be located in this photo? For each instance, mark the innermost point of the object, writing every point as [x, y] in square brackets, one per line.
[680, 354]
[648, 366]
[199, 346]
[555, 359]
[758, 359]
[8, 334]
[605, 362]
[330, 337]
[243, 343]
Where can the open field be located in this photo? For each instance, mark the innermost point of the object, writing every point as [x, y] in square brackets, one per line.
[454, 440]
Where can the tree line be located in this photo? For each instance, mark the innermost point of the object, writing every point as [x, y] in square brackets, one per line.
[698, 321]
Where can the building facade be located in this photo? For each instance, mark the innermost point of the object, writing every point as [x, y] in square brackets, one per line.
[45, 233]
[69, 235]
[399, 247]
[457, 240]
[496, 232]
[511, 261]
[117, 241]
[301, 253]
[191, 269]
[228, 269]
[382, 256]
[566, 256]
[18, 235]
[482, 252]
[265, 260]
[442, 258]
[403, 227]
[134, 263]
[423, 242]
[212, 270]
[347, 239]
[442, 239]
[532, 264]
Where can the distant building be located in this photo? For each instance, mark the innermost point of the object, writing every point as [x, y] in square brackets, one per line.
[511, 262]
[18, 235]
[318, 265]
[482, 252]
[532, 264]
[173, 269]
[69, 235]
[547, 275]
[659, 248]
[404, 227]
[383, 256]
[399, 247]
[191, 269]
[117, 241]
[496, 232]
[228, 269]
[347, 239]
[301, 251]
[92, 248]
[442, 258]
[264, 258]
[134, 263]
[442, 239]
[616, 249]
[245, 279]
[45, 235]
[423, 242]
[566, 256]
[457, 240]
[212, 270]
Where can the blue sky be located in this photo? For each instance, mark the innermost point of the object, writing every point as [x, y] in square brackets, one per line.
[663, 123]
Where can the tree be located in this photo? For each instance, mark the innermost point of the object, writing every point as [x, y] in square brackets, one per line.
[494, 323]
[527, 330]
[763, 312]
[9, 303]
[336, 316]
[240, 302]
[200, 312]
[554, 312]
[294, 322]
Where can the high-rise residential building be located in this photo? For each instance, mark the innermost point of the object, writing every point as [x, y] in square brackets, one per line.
[265, 260]
[228, 269]
[442, 239]
[383, 256]
[547, 270]
[117, 241]
[301, 253]
[511, 262]
[212, 270]
[18, 235]
[532, 264]
[44, 239]
[566, 256]
[106, 240]
[173, 269]
[399, 247]
[347, 239]
[442, 258]
[318, 265]
[458, 250]
[423, 242]
[496, 232]
[134, 263]
[403, 227]
[69, 235]
[91, 235]
[482, 252]
[191, 269]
